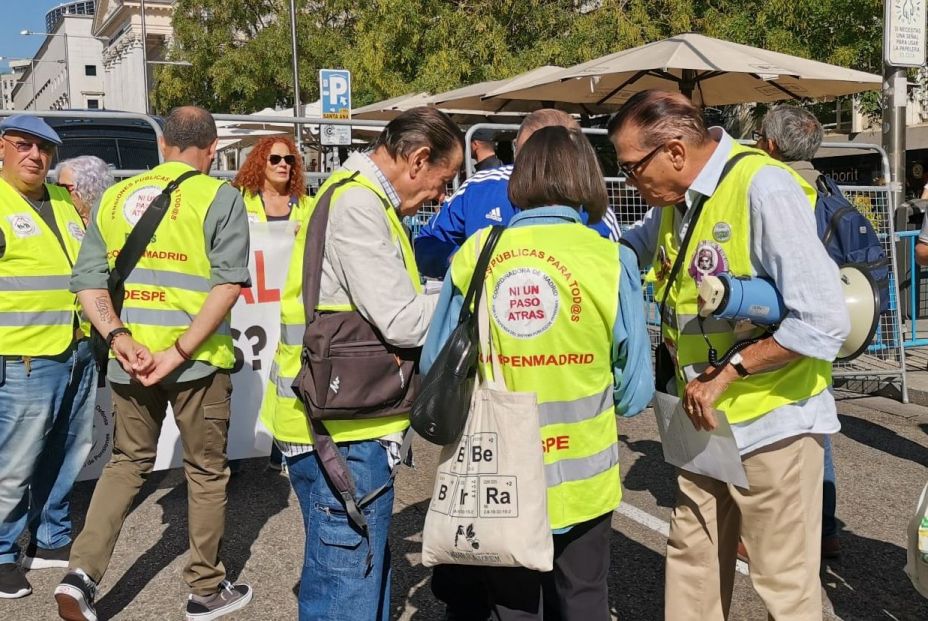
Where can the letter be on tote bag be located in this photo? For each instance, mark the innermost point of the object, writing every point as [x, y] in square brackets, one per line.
[489, 504]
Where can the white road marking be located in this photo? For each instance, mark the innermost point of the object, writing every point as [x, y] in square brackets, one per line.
[660, 526]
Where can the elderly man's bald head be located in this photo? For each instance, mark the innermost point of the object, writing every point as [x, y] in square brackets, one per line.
[189, 126]
[545, 117]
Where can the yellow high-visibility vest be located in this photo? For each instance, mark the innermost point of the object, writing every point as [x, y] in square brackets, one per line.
[281, 411]
[37, 310]
[171, 281]
[255, 208]
[552, 294]
[721, 243]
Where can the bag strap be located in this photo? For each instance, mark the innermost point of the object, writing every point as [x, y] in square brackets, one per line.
[496, 381]
[140, 236]
[314, 249]
[472, 298]
[477, 286]
[833, 223]
[333, 462]
[697, 210]
[336, 469]
[826, 185]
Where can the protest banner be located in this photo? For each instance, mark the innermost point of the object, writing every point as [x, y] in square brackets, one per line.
[255, 332]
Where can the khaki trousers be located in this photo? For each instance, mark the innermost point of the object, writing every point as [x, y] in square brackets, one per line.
[201, 411]
[779, 519]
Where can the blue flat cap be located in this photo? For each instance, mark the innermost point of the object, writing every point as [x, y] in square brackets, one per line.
[32, 125]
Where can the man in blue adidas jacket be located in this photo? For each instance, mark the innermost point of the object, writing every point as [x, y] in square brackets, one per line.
[483, 200]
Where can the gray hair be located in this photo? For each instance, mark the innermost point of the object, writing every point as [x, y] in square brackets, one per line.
[91, 176]
[796, 132]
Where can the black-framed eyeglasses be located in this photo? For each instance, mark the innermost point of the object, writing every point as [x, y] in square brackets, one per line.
[629, 169]
[25, 146]
[274, 159]
[67, 186]
[758, 136]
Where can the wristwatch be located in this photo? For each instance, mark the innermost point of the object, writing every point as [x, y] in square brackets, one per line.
[738, 362]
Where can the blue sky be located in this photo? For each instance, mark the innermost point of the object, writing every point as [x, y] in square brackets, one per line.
[22, 15]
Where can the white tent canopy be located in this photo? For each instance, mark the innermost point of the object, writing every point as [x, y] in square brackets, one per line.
[712, 71]
[477, 97]
[388, 109]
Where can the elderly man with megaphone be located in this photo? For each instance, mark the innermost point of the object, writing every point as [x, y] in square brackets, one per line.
[723, 211]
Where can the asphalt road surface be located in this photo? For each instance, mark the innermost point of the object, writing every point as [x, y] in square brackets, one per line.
[881, 457]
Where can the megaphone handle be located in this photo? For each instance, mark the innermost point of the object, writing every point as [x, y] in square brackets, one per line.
[713, 353]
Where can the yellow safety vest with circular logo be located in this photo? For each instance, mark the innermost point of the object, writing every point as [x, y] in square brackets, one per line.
[281, 411]
[552, 294]
[255, 207]
[721, 242]
[36, 308]
[170, 283]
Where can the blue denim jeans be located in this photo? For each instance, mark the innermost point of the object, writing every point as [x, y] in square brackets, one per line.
[335, 583]
[46, 429]
[829, 494]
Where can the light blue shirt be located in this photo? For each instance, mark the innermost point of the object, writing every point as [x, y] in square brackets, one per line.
[631, 350]
[785, 248]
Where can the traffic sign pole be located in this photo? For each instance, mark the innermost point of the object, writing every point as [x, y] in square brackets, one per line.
[335, 95]
[903, 46]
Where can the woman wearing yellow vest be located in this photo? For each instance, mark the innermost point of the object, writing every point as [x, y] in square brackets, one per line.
[272, 183]
[368, 266]
[567, 323]
[748, 215]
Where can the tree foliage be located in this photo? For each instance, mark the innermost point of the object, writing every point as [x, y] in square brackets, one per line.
[241, 61]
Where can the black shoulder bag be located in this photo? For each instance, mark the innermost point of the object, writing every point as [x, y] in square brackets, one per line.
[129, 256]
[664, 366]
[440, 411]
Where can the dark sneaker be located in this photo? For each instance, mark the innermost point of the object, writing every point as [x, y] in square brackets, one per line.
[229, 598]
[74, 595]
[13, 583]
[41, 558]
[831, 547]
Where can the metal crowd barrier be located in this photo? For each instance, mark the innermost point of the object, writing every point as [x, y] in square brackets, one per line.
[914, 302]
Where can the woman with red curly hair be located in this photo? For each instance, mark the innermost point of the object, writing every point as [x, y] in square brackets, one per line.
[271, 181]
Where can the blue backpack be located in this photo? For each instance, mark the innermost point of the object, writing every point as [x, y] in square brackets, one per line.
[848, 236]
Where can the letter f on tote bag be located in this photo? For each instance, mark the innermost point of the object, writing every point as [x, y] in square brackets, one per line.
[490, 500]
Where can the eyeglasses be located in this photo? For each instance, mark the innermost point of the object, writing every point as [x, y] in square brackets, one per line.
[25, 146]
[274, 159]
[758, 136]
[629, 168]
[67, 186]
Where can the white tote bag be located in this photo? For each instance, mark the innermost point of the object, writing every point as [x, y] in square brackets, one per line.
[490, 501]
[917, 562]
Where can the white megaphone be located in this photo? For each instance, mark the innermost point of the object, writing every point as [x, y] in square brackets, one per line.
[757, 300]
[863, 305]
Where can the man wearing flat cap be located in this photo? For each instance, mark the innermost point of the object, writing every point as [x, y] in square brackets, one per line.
[47, 375]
